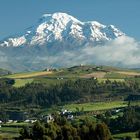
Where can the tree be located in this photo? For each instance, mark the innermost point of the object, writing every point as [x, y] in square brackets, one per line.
[102, 132]
[138, 134]
[128, 138]
[25, 133]
[38, 131]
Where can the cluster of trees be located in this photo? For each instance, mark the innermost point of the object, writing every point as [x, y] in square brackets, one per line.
[4, 82]
[82, 89]
[40, 94]
[138, 134]
[128, 122]
[61, 129]
[6, 90]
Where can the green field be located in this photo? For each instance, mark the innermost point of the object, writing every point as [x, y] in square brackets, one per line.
[9, 132]
[87, 107]
[123, 135]
[22, 82]
[115, 75]
[16, 124]
[96, 106]
[102, 73]
[111, 79]
[63, 75]
[52, 81]
[100, 105]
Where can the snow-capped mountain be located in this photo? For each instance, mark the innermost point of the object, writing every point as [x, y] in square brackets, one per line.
[59, 39]
[64, 29]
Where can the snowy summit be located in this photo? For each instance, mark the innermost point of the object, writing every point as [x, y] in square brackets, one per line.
[64, 29]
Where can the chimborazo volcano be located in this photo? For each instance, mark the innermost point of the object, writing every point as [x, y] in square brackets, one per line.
[54, 41]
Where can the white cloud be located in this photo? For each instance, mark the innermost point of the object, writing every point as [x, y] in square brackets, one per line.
[123, 51]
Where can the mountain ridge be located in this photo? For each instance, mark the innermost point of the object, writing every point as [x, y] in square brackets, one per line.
[62, 27]
[59, 39]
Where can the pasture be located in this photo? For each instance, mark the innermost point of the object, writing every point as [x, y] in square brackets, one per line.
[96, 106]
[123, 135]
[29, 74]
[22, 82]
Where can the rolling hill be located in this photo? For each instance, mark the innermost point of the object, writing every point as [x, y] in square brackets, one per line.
[54, 76]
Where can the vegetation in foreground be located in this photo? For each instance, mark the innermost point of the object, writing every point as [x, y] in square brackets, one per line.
[61, 129]
[35, 94]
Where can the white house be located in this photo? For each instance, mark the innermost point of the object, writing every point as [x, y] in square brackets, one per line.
[70, 117]
[49, 118]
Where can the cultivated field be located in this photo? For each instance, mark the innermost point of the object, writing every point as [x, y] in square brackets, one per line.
[29, 74]
[73, 73]
[22, 82]
[9, 132]
[123, 135]
[96, 106]
[94, 74]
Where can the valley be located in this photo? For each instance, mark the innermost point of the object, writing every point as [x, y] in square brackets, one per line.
[110, 94]
[69, 70]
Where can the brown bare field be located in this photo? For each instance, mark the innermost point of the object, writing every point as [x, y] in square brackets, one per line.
[29, 75]
[94, 74]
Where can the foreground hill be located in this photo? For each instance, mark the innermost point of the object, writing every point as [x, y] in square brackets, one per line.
[101, 93]
[53, 76]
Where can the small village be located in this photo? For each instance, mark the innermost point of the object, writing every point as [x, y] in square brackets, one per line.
[69, 115]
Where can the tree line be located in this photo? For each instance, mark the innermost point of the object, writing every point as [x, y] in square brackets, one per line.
[69, 91]
[128, 122]
[61, 129]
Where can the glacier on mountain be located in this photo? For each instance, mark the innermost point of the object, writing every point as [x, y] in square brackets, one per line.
[63, 28]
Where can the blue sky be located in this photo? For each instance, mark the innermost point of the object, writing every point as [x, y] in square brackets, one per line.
[17, 15]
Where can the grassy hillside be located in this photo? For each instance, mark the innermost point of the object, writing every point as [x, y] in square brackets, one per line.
[96, 106]
[22, 82]
[102, 73]
[29, 74]
[80, 71]
[123, 135]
